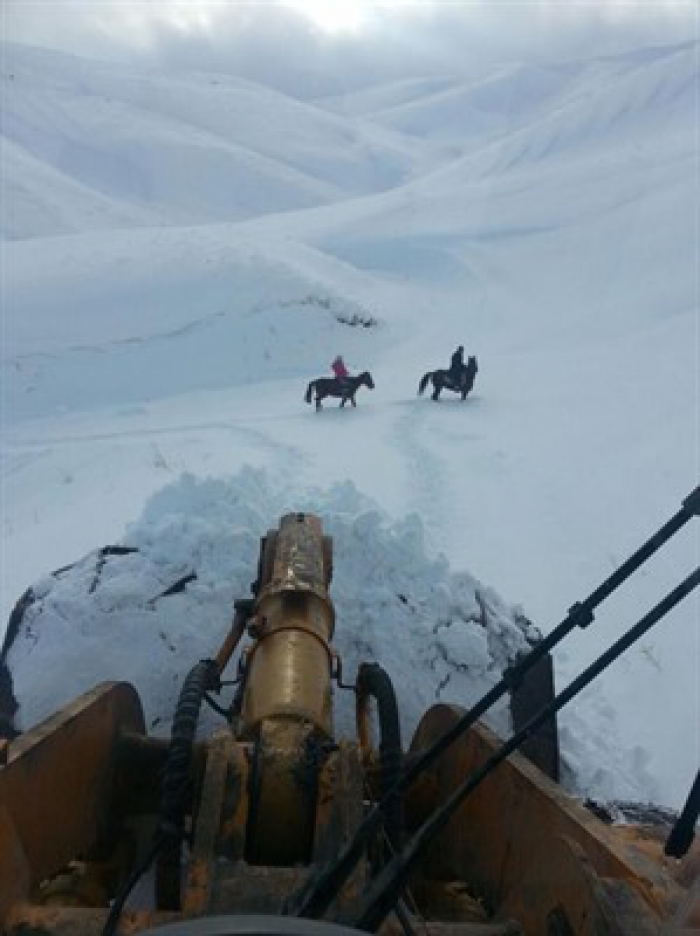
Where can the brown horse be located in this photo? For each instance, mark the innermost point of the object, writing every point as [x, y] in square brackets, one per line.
[346, 389]
[443, 380]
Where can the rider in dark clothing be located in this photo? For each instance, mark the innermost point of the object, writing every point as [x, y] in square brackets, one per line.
[457, 365]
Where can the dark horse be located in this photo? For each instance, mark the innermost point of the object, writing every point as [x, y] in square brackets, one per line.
[442, 380]
[329, 386]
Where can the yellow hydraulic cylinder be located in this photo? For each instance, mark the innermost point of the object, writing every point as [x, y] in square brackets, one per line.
[289, 666]
[286, 708]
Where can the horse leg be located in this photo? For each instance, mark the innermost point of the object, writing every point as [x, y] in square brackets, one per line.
[352, 400]
[436, 392]
[318, 403]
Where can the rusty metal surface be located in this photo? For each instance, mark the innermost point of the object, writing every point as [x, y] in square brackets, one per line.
[392, 927]
[525, 844]
[246, 888]
[687, 916]
[87, 883]
[449, 901]
[28, 920]
[340, 801]
[299, 562]
[197, 891]
[15, 873]
[230, 843]
[219, 823]
[650, 841]
[283, 799]
[235, 886]
[340, 810]
[56, 785]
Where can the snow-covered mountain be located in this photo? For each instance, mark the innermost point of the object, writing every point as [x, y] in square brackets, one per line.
[183, 253]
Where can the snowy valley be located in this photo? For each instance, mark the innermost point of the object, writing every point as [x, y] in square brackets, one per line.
[184, 252]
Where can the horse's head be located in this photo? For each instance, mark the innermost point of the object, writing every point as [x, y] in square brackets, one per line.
[472, 366]
[366, 379]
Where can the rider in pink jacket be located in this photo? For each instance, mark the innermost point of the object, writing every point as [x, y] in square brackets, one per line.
[339, 369]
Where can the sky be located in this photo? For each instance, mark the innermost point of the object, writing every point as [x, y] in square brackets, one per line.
[313, 47]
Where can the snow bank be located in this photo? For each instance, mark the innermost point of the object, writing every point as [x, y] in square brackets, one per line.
[441, 635]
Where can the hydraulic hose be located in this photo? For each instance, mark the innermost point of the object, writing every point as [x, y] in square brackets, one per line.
[374, 682]
[173, 806]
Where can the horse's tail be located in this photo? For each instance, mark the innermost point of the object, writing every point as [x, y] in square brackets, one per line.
[310, 391]
[424, 382]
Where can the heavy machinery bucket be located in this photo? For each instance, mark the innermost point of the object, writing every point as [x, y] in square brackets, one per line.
[56, 791]
[531, 851]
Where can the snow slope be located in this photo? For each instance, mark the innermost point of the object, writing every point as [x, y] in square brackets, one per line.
[557, 240]
[204, 148]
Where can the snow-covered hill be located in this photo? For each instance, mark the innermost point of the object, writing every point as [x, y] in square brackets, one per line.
[186, 150]
[184, 253]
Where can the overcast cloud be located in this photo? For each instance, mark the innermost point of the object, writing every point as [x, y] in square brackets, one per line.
[268, 41]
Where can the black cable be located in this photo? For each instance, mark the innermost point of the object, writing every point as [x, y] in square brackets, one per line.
[374, 681]
[219, 709]
[115, 912]
[320, 890]
[404, 919]
[383, 894]
[683, 832]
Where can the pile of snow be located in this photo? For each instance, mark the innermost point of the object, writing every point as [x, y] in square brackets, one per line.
[441, 635]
